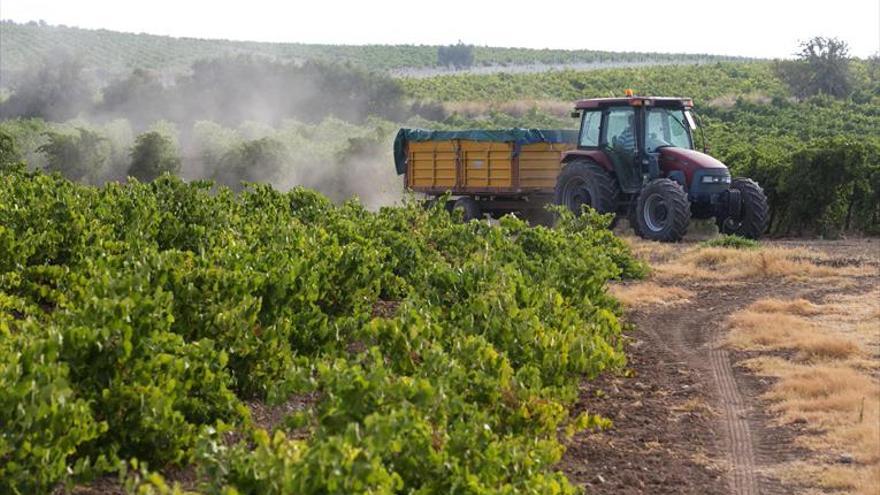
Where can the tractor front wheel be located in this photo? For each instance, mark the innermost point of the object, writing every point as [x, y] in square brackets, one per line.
[754, 212]
[662, 211]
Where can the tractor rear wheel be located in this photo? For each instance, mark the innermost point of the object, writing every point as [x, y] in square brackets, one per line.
[662, 211]
[470, 209]
[583, 182]
[754, 212]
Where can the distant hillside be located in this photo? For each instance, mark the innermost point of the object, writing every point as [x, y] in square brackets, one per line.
[110, 53]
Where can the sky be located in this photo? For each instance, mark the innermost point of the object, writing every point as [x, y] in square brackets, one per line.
[765, 28]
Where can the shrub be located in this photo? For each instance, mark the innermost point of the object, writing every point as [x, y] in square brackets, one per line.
[259, 160]
[153, 154]
[82, 155]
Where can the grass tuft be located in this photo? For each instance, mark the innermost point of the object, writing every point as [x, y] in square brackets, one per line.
[731, 241]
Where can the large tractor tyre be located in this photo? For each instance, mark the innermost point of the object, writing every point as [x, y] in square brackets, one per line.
[470, 209]
[583, 182]
[662, 211]
[754, 212]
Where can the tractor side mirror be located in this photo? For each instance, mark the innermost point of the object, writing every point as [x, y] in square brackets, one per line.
[575, 115]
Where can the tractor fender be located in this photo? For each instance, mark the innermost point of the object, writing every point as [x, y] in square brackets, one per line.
[596, 156]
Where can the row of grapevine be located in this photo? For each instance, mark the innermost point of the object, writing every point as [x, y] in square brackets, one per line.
[818, 162]
[116, 52]
[702, 82]
[138, 319]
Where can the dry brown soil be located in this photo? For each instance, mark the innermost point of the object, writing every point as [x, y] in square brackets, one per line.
[686, 418]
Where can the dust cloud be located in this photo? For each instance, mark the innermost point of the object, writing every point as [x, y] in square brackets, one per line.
[241, 118]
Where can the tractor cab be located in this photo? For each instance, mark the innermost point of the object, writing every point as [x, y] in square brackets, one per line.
[631, 132]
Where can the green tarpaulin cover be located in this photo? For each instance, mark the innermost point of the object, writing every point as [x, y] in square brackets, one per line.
[517, 136]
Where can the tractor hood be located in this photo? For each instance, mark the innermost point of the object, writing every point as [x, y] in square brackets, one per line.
[688, 160]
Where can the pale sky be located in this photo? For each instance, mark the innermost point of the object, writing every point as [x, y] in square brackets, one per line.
[758, 28]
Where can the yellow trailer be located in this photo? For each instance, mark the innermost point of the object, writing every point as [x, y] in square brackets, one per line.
[499, 171]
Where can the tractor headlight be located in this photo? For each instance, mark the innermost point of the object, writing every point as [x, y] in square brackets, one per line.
[715, 179]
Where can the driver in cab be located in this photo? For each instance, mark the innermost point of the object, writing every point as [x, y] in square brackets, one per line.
[626, 140]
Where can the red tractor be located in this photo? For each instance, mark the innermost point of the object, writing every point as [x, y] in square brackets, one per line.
[635, 156]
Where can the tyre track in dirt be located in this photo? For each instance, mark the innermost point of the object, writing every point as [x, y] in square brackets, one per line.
[741, 450]
[748, 443]
[694, 333]
[679, 346]
[677, 358]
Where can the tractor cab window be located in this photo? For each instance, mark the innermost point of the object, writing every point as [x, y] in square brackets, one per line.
[590, 129]
[620, 131]
[667, 127]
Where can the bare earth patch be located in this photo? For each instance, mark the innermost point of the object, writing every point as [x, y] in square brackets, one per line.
[751, 371]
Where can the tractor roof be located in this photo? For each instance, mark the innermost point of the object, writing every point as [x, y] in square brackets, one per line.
[636, 101]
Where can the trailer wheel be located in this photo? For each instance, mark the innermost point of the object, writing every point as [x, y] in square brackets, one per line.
[663, 211]
[583, 182]
[470, 209]
[754, 212]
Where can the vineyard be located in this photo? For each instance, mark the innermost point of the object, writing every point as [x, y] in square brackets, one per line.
[116, 53]
[411, 352]
[212, 281]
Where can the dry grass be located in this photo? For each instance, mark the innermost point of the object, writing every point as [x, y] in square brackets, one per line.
[720, 264]
[828, 383]
[860, 480]
[757, 330]
[724, 265]
[653, 252]
[800, 307]
[649, 294]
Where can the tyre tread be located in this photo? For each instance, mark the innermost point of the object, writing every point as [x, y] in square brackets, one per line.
[679, 206]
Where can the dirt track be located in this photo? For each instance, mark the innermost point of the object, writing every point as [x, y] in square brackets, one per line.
[687, 419]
